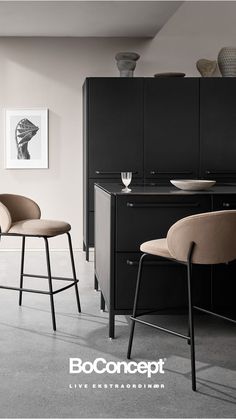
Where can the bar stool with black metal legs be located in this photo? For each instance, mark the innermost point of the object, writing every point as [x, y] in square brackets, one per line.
[20, 216]
[205, 239]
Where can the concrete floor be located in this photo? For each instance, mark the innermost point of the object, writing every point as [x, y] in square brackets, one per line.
[34, 361]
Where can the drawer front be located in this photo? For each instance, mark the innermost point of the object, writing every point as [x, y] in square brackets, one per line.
[224, 202]
[143, 218]
[164, 284]
[106, 180]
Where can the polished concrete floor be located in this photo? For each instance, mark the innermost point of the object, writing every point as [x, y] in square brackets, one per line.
[35, 380]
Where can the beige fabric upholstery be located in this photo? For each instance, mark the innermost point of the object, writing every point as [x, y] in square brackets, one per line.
[21, 215]
[213, 233]
[40, 227]
[5, 218]
[156, 247]
[20, 207]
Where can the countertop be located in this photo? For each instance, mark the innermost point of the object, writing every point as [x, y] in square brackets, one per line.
[116, 189]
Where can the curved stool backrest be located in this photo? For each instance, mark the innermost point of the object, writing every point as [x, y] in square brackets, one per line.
[213, 233]
[15, 208]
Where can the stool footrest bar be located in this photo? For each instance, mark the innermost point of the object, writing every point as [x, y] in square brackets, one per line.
[24, 289]
[163, 329]
[214, 314]
[66, 287]
[38, 291]
[59, 278]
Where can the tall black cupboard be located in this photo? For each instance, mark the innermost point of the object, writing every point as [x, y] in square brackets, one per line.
[145, 125]
[113, 137]
[218, 129]
[171, 125]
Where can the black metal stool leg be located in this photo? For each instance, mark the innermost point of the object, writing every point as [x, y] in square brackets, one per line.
[189, 340]
[50, 283]
[95, 283]
[102, 303]
[191, 321]
[135, 305]
[22, 269]
[74, 272]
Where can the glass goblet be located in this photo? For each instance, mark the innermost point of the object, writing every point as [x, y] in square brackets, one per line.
[126, 178]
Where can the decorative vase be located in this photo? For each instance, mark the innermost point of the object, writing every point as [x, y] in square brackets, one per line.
[126, 63]
[227, 61]
[206, 67]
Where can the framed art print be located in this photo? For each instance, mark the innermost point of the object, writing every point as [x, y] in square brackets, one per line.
[26, 138]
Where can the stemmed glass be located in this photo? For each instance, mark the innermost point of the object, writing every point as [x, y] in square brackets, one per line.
[126, 178]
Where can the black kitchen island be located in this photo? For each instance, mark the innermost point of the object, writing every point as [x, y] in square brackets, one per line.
[125, 220]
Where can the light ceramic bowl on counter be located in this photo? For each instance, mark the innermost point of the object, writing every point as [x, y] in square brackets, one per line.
[193, 184]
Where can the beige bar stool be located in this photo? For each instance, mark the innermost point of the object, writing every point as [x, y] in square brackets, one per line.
[205, 239]
[20, 216]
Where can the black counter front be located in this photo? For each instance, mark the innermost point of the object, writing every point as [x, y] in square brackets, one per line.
[125, 220]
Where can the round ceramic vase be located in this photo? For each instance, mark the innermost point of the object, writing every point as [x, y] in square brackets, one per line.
[227, 61]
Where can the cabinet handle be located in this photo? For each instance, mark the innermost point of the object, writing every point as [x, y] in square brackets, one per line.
[162, 205]
[98, 172]
[147, 263]
[225, 172]
[229, 204]
[158, 172]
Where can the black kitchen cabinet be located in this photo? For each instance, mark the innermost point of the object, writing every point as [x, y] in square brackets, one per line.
[218, 128]
[158, 128]
[121, 228]
[113, 137]
[171, 125]
[123, 221]
[115, 127]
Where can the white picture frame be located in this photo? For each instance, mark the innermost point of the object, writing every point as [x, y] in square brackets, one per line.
[26, 138]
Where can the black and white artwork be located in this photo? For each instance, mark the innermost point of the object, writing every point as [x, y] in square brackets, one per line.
[26, 138]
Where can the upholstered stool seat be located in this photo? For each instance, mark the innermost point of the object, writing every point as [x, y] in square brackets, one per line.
[157, 248]
[44, 228]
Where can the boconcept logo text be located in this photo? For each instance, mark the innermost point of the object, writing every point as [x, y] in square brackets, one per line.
[101, 366]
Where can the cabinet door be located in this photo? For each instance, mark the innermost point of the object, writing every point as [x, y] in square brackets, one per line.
[218, 128]
[171, 128]
[115, 127]
[164, 283]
